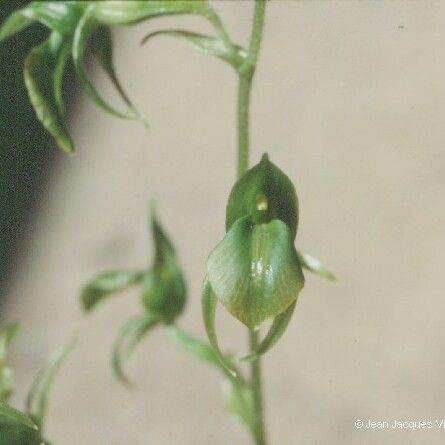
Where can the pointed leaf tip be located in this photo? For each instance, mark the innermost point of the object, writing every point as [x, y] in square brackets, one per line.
[38, 73]
[37, 399]
[234, 55]
[107, 284]
[129, 336]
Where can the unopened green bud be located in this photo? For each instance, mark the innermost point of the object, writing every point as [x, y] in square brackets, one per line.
[264, 193]
[164, 290]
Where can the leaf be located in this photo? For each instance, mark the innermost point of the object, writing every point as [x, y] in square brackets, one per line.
[127, 12]
[38, 72]
[312, 264]
[58, 74]
[37, 400]
[86, 26]
[238, 402]
[164, 289]
[16, 428]
[208, 45]
[264, 193]
[209, 301]
[129, 336]
[107, 284]
[102, 48]
[14, 24]
[6, 376]
[60, 16]
[194, 346]
[254, 271]
[277, 329]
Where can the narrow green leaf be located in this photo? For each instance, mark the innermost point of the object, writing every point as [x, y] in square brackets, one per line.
[60, 16]
[164, 289]
[312, 264]
[206, 44]
[107, 284]
[194, 346]
[264, 193]
[38, 72]
[127, 12]
[209, 301]
[254, 271]
[277, 329]
[6, 375]
[16, 428]
[58, 75]
[86, 26]
[238, 402]
[14, 24]
[37, 400]
[129, 336]
[102, 48]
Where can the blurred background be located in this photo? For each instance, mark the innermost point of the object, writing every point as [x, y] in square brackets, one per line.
[349, 99]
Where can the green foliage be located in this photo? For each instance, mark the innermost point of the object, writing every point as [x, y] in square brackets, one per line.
[129, 336]
[77, 26]
[107, 284]
[37, 400]
[6, 376]
[205, 44]
[16, 428]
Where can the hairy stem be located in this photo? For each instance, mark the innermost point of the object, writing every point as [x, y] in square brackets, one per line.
[246, 73]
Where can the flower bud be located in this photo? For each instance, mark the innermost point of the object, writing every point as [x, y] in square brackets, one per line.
[164, 290]
[264, 193]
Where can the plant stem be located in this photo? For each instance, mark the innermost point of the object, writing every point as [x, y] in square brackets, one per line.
[258, 427]
[246, 73]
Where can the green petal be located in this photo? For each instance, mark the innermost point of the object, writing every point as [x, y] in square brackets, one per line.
[128, 12]
[209, 301]
[277, 329]
[255, 272]
[37, 400]
[264, 193]
[6, 376]
[164, 289]
[312, 264]
[16, 428]
[38, 72]
[107, 284]
[208, 45]
[87, 25]
[129, 336]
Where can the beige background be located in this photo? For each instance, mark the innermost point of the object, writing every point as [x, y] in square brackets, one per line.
[349, 100]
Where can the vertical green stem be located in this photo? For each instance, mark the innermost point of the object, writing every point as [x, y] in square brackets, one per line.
[246, 73]
[259, 430]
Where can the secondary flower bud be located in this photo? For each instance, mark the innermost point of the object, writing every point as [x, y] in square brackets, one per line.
[164, 290]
